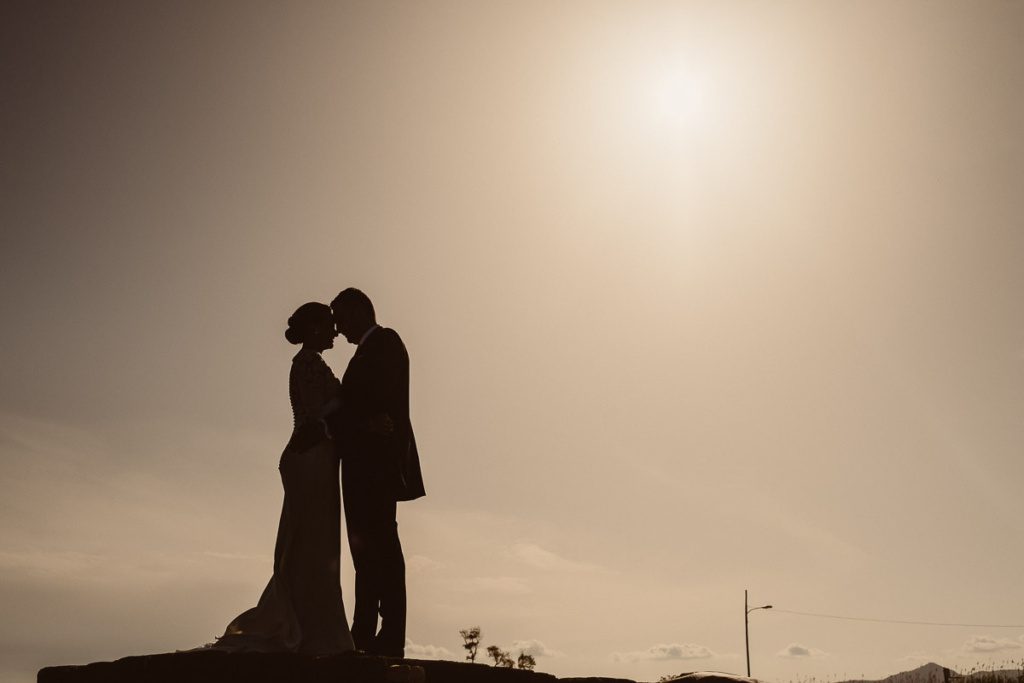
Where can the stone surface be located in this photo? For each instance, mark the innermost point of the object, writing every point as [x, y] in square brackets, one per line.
[711, 677]
[211, 666]
[223, 667]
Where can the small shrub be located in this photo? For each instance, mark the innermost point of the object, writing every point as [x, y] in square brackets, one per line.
[470, 641]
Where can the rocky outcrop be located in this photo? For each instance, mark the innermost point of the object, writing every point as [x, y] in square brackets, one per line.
[221, 667]
[710, 677]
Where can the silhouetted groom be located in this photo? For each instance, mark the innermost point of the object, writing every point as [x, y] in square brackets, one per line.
[378, 469]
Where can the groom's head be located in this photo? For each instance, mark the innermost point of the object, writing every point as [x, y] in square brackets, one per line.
[353, 314]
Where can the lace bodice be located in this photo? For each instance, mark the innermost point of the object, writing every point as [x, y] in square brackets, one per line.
[311, 385]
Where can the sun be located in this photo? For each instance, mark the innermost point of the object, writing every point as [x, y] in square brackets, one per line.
[680, 98]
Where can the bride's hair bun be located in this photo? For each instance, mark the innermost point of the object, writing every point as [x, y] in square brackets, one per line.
[302, 321]
[292, 334]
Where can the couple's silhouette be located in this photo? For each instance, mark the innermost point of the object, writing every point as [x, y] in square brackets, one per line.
[363, 423]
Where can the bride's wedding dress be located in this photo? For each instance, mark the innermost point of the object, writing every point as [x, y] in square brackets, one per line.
[301, 609]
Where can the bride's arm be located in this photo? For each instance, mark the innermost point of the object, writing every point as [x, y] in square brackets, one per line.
[308, 386]
[328, 415]
[331, 406]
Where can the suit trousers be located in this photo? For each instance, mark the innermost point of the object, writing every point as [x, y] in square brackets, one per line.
[372, 525]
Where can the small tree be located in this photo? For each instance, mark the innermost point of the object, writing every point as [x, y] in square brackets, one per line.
[500, 657]
[471, 641]
[526, 661]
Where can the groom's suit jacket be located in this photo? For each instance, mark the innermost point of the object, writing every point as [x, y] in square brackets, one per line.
[377, 381]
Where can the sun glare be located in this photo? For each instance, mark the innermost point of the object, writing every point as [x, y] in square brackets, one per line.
[678, 104]
[679, 99]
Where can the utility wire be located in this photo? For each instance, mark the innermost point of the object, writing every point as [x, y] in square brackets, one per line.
[893, 621]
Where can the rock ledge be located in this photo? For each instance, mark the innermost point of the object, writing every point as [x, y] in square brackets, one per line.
[224, 667]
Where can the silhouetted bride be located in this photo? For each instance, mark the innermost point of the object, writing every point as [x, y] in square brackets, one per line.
[301, 609]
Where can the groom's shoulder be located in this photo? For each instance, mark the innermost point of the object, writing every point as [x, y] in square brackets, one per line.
[390, 345]
[383, 340]
[388, 336]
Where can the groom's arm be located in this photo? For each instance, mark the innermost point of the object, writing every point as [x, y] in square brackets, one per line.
[367, 397]
[387, 377]
[355, 412]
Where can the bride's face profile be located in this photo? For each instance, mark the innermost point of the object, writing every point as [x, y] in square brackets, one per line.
[322, 334]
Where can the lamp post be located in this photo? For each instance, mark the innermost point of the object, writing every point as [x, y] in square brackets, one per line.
[746, 627]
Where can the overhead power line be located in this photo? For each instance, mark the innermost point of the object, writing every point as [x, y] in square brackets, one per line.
[893, 621]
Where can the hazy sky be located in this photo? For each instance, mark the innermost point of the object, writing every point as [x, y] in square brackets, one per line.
[699, 297]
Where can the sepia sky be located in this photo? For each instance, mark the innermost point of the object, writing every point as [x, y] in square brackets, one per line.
[699, 296]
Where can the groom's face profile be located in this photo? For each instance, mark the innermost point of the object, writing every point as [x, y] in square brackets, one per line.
[349, 323]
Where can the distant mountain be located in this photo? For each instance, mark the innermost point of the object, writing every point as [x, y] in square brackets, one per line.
[935, 673]
[929, 673]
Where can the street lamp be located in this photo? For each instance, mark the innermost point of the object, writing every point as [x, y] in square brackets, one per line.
[746, 627]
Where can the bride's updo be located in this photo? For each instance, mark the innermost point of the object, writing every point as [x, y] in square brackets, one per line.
[305, 318]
